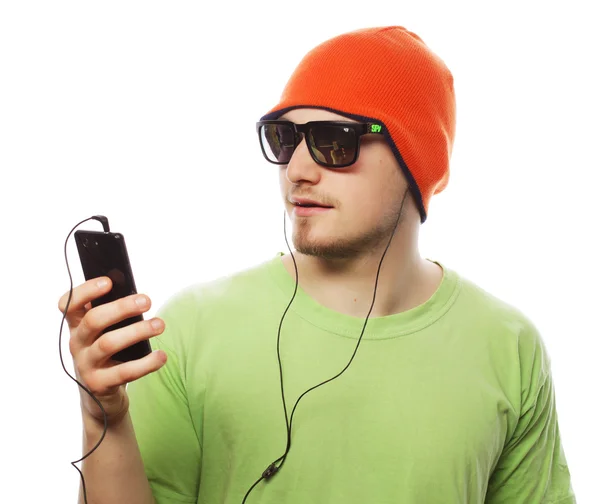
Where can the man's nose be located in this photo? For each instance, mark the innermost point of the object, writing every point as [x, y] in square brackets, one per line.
[302, 166]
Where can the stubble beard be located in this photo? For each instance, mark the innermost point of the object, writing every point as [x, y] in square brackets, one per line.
[348, 242]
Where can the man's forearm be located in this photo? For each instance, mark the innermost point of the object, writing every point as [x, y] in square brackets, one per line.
[114, 473]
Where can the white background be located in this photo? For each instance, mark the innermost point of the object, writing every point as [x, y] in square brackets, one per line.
[145, 112]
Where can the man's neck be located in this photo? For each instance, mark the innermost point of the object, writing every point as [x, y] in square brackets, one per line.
[405, 282]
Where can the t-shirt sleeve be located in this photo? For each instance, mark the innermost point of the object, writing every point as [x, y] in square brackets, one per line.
[169, 444]
[532, 468]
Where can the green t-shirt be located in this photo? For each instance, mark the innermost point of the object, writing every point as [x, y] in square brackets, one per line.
[451, 402]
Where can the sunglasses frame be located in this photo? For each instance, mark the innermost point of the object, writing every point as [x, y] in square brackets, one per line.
[359, 129]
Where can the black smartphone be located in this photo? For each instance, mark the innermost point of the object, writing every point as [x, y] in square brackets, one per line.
[105, 254]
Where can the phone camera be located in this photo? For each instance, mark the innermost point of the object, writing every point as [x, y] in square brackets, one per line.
[85, 242]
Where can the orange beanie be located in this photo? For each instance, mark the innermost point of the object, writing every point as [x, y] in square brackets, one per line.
[390, 76]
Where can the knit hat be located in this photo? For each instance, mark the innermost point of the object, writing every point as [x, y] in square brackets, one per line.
[389, 76]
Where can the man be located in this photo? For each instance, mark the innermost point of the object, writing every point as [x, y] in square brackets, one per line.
[352, 370]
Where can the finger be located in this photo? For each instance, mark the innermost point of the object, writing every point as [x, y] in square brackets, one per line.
[112, 342]
[99, 318]
[81, 295]
[106, 379]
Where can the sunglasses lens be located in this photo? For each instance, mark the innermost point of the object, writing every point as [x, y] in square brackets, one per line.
[277, 141]
[333, 145]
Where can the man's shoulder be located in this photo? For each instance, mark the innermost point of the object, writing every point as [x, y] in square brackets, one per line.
[488, 309]
[511, 336]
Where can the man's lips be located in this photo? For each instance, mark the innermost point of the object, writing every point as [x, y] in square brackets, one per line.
[308, 202]
[308, 211]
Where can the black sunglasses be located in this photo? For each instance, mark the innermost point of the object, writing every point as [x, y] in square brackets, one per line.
[333, 144]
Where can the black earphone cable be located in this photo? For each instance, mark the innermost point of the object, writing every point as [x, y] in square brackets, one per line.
[273, 468]
[106, 228]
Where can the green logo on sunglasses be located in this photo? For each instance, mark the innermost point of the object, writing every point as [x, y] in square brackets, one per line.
[375, 128]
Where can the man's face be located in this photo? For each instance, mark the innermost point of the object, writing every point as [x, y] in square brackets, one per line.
[366, 196]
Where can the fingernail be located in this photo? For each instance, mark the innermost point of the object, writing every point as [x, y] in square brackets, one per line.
[155, 324]
[102, 283]
[141, 301]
